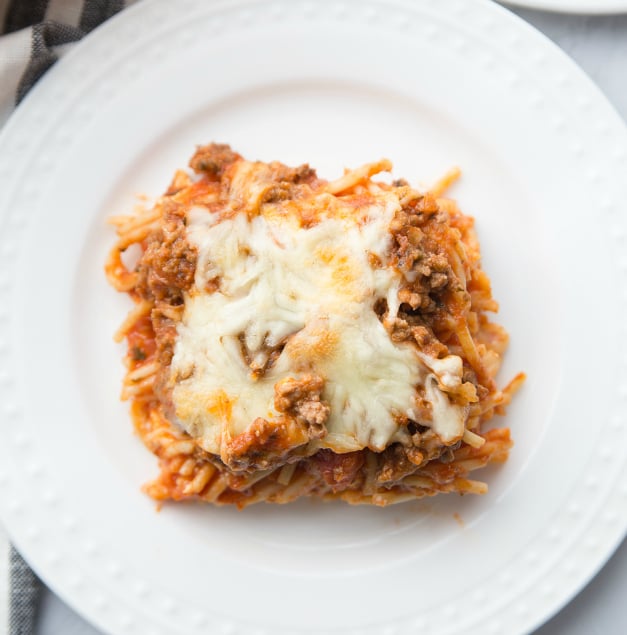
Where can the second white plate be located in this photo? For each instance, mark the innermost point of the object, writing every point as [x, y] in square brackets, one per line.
[592, 7]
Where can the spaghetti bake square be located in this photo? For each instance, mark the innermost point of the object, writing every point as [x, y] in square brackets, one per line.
[296, 337]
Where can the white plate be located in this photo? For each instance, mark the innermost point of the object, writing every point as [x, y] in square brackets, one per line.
[429, 84]
[573, 6]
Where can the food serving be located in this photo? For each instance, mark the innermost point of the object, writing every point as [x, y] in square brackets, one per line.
[293, 336]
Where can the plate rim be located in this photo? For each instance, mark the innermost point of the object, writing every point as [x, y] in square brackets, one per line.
[75, 54]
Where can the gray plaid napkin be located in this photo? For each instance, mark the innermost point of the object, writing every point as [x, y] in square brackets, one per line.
[25, 590]
[34, 34]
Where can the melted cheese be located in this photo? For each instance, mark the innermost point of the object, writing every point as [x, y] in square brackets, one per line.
[313, 290]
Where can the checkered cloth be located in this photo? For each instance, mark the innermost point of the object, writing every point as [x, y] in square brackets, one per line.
[25, 589]
[34, 34]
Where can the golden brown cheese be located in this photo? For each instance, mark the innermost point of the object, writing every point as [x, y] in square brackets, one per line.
[307, 290]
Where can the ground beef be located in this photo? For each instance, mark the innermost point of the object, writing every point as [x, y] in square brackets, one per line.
[168, 265]
[411, 326]
[213, 160]
[301, 399]
[338, 470]
[166, 270]
[422, 237]
[303, 174]
[396, 462]
[265, 444]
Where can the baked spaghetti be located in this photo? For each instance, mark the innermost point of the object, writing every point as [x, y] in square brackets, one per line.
[295, 337]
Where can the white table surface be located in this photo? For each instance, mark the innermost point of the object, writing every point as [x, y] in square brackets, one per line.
[599, 46]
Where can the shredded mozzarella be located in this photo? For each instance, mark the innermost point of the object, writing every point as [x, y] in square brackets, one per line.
[311, 290]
